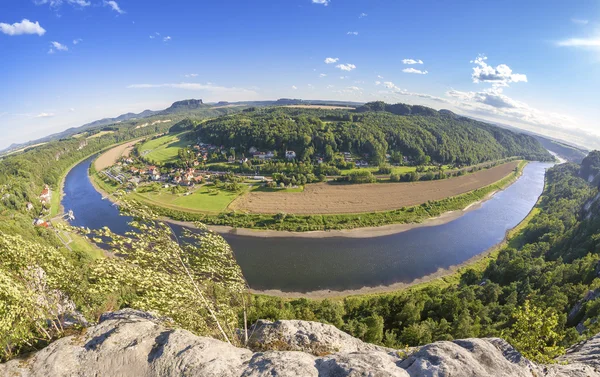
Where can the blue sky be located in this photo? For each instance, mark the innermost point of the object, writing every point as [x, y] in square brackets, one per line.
[533, 64]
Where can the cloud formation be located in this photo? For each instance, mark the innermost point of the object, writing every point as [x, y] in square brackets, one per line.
[322, 75]
[114, 5]
[331, 60]
[412, 61]
[45, 115]
[352, 33]
[580, 42]
[191, 75]
[579, 21]
[415, 71]
[193, 86]
[322, 2]
[166, 39]
[57, 3]
[59, 46]
[294, 87]
[77, 41]
[502, 75]
[23, 27]
[362, 15]
[346, 67]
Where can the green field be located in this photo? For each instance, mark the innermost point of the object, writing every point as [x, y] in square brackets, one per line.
[373, 169]
[204, 199]
[163, 149]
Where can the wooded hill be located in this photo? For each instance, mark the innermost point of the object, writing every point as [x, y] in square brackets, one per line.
[373, 130]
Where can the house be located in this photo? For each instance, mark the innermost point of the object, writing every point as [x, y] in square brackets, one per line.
[177, 179]
[134, 180]
[361, 163]
[290, 155]
[231, 159]
[41, 222]
[242, 160]
[252, 150]
[134, 170]
[29, 206]
[154, 171]
[196, 163]
[320, 160]
[45, 195]
[155, 177]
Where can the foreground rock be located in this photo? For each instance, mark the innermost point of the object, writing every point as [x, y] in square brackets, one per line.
[133, 343]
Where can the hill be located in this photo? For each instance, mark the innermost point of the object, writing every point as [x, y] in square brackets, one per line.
[373, 130]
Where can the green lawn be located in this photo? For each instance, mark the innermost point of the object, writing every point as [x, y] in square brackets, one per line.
[163, 149]
[204, 199]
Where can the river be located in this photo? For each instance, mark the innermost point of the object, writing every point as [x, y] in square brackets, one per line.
[291, 264]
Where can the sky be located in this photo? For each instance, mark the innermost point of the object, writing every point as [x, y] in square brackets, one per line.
[531, 64]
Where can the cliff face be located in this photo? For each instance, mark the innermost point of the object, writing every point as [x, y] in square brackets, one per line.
[133, 343]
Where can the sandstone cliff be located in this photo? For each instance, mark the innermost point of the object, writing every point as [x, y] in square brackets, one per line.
[134, 343]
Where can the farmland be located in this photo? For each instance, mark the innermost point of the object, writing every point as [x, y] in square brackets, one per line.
[111, 156]
[204, 199]
[327, 198]
[164, 149]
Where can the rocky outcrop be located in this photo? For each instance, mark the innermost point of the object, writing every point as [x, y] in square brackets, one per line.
[134, 343]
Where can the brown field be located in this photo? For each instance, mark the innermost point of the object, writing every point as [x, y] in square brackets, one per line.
[99, 134]
[111, 156]
[323, 198]
[319, 107]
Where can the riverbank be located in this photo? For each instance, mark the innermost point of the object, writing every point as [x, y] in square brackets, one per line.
[443, 277]
[407, 219]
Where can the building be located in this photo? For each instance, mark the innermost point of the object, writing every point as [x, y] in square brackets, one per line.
[290, 155]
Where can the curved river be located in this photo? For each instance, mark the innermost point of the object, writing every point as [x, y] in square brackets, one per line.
[338, 264]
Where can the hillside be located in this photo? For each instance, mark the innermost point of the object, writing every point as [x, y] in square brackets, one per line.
[374, 130]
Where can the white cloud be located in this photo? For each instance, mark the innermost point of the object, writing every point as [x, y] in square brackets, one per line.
[23, 27]
[77, 41]
[346, 67]
[322, 2]
[193, 86]
[57, 3]
[579, 21]
[191, 75]
[72, 110]
[45, 115]
[51, 51]
[166, 39]
[59, 46]
[362, 15]
[391, 85]
[343, 77]
[580, 42]
[413, 70]
[377, 82]
[322, 75]
[114, 5]
[294, 87]
[379, 76]
[412, 61]
[352, 33]
[502, 75]
[331, 60]
[330, 86]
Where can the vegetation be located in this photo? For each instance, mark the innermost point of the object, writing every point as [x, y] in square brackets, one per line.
[302, 223]
[526, 293]
[164, 149]
[421, 136]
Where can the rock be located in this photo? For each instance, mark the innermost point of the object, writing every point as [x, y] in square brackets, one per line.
[315, 338]
[135, 343]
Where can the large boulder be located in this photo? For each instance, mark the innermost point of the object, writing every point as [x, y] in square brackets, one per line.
[134, 343]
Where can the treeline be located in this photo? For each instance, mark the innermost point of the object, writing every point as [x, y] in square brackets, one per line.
[441, 137]
[543, 274]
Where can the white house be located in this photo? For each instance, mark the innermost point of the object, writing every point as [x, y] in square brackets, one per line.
[290, 155]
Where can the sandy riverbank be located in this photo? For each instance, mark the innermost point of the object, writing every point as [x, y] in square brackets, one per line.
[367, 232]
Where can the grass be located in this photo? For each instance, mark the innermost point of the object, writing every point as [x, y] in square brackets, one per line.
[164, 149]
[205, 199]
[304, 223]
[374, 169]
[261, 188]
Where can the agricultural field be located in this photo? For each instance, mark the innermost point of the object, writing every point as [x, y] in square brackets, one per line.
[111, 156]
[204, 199]
[101, 133]
[327, 198]
[163, 149]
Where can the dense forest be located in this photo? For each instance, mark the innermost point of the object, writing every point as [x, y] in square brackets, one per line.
[548, 273]
[419, 134]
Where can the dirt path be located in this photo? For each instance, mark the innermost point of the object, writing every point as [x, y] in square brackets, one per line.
[323, 198]
[112, 155]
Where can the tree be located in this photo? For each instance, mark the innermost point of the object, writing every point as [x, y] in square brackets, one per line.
[535, 334]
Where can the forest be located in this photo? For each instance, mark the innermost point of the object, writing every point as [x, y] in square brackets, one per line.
[419, 135]
[549, 270]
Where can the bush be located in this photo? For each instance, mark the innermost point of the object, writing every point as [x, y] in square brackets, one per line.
[395, 177]
[361, 176]
[384, 169]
